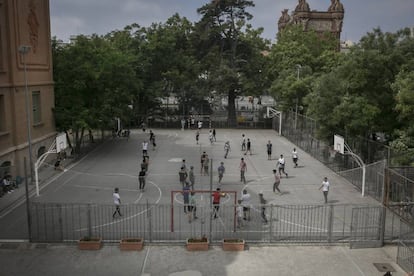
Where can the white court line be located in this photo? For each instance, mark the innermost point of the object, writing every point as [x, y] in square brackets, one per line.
[145, 260]
[227, 198]
[64, 183]
[50, 181]
[130, 217]
[303, 226]
[102, 188]
[292, 223]
[352, 261]
[139, 198]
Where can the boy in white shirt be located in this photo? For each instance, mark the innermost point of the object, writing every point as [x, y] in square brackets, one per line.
[325, 188]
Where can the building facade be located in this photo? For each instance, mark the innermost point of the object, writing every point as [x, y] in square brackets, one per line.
[25, 24]
[319, 21]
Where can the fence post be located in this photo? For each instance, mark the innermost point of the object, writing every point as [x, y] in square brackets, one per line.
[149, 214]
[271, 222]
[60, 222]
[330, 223]
[383, 211]
[89, 219]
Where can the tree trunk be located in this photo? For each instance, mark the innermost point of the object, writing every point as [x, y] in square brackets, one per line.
[79, 140]
[91, 139]
[232, 118]
[68, 139]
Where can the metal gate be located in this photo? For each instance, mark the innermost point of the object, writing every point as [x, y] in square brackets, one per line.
[405, 253]
[367, 224]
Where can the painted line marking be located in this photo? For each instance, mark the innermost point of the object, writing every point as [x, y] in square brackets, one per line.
[130, 217]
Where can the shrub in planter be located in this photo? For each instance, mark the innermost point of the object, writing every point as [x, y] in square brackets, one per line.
[233, 244]
[197, 244]
[89, 243]
[131, 244]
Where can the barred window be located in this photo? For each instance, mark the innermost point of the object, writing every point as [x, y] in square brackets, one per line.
[37, 111]
[2, 114]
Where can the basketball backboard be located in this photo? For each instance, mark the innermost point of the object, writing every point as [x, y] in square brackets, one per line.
[339, 143]
[61, 142]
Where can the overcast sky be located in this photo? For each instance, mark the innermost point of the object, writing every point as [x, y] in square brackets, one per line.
[72, 17]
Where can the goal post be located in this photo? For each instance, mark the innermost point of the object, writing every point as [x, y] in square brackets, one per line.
[229, 198]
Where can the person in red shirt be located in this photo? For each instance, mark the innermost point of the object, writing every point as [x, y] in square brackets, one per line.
[216, 201]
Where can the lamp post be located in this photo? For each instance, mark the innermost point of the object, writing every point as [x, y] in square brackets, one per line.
[298, 67]
[23, 50]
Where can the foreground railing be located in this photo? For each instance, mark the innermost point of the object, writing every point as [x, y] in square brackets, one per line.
[153, 222]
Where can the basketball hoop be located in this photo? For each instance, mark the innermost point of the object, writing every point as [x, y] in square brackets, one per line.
[332, 152]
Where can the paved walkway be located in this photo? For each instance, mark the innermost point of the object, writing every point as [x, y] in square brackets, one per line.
[40, 259]
[47, 173]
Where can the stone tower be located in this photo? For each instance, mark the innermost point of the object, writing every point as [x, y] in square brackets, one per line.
[319, 21]
[25, 25]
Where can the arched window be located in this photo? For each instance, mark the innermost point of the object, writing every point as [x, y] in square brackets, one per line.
[5, 168]
[41, 151]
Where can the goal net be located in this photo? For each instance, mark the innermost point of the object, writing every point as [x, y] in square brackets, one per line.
[204, 207]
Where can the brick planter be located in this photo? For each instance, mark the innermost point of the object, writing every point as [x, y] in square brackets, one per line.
[197, 244]
[90, 244]
[131, 244]
[233, 245]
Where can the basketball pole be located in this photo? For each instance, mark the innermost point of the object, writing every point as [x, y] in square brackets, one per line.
[360, 162]
[211, 199]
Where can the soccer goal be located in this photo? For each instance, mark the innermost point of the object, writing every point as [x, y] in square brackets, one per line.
[203, 203]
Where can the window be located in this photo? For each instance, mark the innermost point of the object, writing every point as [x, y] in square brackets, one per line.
[37, 111]
[2, 114]
[5, 169]
[40, 151]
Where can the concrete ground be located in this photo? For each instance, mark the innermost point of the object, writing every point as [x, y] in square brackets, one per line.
[64, 260]
[115, 163]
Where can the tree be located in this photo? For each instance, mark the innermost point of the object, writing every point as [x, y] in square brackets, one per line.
[361, 86]
[297, 59]
[171, 67]
[94, 82]
[220, 31]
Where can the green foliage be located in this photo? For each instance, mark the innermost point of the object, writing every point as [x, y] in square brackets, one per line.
[93, 84]
[368, 90]
[364, 80]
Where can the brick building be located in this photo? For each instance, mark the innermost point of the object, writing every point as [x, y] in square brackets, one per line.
[25, 23]
[319, 21]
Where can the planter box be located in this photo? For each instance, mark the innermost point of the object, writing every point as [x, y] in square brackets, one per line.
[131, 244]
[197, 244]
[233, 245]
[90, 244]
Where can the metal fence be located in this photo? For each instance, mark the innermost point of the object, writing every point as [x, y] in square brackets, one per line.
[286, 223]
[219, 119]
[374, 179]
[302, 131]
[405, 253]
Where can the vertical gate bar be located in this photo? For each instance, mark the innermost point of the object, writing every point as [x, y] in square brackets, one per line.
[172, 211]
[383, 214]
[330, 223]
[343, 221]
[149, 216]
[60, 222]
[89, 222]
[271, 223]
[45, 222]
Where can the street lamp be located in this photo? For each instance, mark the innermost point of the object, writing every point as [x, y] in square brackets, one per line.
[298, 67]
[23, 50]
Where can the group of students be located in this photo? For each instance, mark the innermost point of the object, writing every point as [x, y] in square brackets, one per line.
[186, 177]
[145, 160]
[244, 206]
[7, 185]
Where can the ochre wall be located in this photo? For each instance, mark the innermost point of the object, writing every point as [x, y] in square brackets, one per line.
[25, 22]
